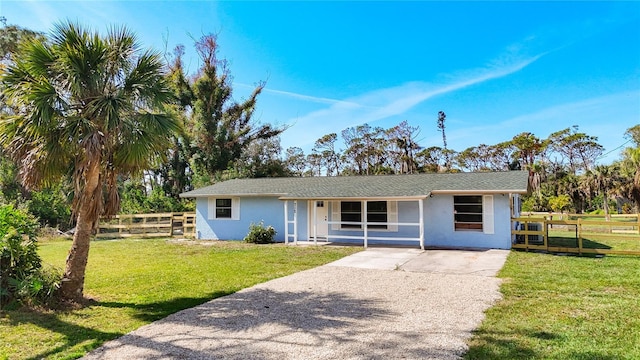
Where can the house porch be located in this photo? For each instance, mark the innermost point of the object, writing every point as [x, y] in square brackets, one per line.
[330, 225]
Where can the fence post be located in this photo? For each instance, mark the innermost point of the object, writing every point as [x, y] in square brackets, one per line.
[580, 236]
[171, 225]
[526, 235]
[546, 234]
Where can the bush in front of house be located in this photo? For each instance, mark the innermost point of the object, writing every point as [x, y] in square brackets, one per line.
[259, 234]
[23, 280]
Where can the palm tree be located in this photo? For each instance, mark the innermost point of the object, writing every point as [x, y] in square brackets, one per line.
[630, 172]
[634, 163]
[89, 107]
[603, 178]
[569, 184]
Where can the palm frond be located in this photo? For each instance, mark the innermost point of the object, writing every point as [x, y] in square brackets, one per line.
[143, 145]
[146, 81]
[81, 100]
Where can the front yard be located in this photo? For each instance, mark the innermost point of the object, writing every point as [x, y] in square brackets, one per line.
[554, 307]
[563, 307]
[135, 282]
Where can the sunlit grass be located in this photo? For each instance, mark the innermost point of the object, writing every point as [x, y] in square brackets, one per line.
[563, 307]
[135, 282]
[590, 240]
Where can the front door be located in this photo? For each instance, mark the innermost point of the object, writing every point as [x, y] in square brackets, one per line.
[322, 228]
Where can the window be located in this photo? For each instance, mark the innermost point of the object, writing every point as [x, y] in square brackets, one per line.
[224, 208]
[351, 211]
[467, 212]
[376, 212]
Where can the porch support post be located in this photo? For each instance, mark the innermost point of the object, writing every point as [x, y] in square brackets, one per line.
[295, 222]
[364, 223]
[421, 212]
[315, 221]
[286, 222]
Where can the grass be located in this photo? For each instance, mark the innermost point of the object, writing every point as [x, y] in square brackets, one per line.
[568, 239]
[563, 307]
[135, 282]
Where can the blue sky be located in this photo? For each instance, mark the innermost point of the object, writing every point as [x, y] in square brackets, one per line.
[495, 68]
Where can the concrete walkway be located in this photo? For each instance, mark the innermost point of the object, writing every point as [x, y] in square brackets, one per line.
[469, 262]
[382, 303]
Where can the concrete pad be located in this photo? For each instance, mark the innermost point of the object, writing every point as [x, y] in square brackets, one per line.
[458, 262]
[461, 262]
[378, 258]
[308, 243]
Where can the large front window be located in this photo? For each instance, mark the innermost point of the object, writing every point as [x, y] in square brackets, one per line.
[351, 211]
[467, 212]
[376, 212]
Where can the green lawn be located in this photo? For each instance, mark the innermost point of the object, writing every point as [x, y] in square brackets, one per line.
[592, 240]
[135, 282]
[563, 307]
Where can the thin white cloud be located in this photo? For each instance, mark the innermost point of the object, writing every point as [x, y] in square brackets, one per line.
[43, 14]
[316, 99]
[395, 101]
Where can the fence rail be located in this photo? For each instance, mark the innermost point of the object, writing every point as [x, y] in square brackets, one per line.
[551, 215]
[148, 225]
[532, 233]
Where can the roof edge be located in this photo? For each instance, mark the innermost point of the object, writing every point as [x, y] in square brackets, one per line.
[186, 195]
[456, 192]
[419, 197]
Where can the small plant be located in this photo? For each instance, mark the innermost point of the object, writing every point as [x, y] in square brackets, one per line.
[22, 278]
[258, 234]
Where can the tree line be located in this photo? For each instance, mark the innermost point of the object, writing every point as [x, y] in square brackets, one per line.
[565, 173]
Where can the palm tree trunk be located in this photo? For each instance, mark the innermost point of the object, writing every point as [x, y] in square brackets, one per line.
[73, 281]
[605, 205]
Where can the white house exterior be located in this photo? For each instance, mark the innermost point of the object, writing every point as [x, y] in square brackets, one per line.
[458, 210]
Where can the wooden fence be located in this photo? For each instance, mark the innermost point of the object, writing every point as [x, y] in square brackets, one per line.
[148, 225]
[572, 233]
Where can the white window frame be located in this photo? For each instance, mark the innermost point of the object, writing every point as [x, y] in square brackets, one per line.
[235, 208]
[392, 216]
[488, 221]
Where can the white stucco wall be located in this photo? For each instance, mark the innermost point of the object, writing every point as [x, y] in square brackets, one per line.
[252, 209]
[438, 222]
[439, 228]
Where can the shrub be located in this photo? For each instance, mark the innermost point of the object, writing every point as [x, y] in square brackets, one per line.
[22, 278]
[51, 207]
[135, 200]
[258, 234]
[534, 202]
[560, 203]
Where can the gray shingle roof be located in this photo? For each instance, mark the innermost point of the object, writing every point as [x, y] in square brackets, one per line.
[418, 185]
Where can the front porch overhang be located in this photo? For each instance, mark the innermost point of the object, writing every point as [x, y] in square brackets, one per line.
[292, 222]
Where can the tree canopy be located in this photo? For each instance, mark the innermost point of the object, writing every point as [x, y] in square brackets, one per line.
[90, 107]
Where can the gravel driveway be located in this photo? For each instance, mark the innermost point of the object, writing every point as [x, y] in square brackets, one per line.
[331, 312]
